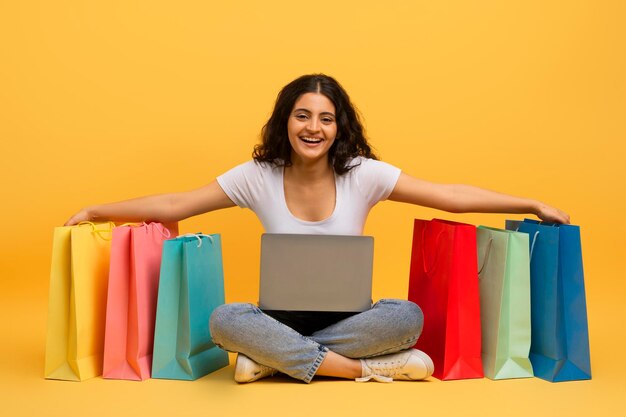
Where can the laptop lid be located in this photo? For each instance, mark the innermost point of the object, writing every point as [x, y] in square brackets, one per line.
[316, 272]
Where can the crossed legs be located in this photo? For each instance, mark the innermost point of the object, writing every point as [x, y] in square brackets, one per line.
[389, 326]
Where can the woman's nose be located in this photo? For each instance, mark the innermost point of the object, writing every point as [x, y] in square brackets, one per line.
[313, 125]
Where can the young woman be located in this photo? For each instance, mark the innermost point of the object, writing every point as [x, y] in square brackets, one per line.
[314, 173]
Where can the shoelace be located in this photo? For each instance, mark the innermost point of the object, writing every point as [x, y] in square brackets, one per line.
[378, 378]
[265, 370]
[382, 373]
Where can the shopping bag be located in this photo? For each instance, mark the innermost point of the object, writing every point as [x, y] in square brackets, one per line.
[444, 283]
[191, 286]
[131, 302]
[77, 301]
[504, 281]
[559, 348]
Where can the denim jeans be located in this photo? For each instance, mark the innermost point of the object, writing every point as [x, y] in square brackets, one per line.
[389, 326]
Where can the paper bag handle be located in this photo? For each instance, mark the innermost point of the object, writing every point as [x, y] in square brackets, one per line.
[197, 235]
[486, 258]
[99, 232]
[426, 269]
[532, 245]
[164, 230]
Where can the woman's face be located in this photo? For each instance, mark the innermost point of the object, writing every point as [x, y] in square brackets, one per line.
[312, 128]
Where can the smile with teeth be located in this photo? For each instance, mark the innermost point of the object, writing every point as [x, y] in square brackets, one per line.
[310, 140]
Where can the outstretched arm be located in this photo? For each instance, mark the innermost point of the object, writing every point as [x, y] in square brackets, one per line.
[164, 208]
[458, 198]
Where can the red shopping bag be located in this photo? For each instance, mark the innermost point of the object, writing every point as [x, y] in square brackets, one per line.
[444, 283]
[132, 298]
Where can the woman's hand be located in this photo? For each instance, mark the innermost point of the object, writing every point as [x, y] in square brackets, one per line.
[82, 216]
[551, 214]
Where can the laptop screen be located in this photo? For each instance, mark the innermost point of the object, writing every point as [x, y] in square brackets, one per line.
[316, 272]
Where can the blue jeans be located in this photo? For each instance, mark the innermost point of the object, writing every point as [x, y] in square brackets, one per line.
[389, 326]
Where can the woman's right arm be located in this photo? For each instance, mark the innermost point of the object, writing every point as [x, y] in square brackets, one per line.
[163, 208]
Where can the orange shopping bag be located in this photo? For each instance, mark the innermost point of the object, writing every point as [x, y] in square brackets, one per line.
[131, 302]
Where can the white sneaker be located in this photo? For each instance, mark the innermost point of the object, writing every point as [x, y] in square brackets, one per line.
[408, 365]
[247, 370]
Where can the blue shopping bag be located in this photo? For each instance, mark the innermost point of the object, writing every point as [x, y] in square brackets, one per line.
[191, 286]
[559, 348]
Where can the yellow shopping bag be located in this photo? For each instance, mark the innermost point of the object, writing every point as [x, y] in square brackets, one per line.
[77, 301]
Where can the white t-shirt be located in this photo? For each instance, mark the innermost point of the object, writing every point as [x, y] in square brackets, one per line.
[259, 187]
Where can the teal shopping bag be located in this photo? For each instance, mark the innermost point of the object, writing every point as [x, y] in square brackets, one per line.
[191, 286]
[560, 336]
[504, 280]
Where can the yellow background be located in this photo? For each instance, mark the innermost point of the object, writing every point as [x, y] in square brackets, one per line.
[107, 100]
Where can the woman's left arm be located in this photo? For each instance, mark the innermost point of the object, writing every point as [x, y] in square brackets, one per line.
[459, 198]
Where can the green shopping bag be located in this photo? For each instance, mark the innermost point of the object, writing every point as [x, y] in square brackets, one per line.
[191, 286]
[504, 279]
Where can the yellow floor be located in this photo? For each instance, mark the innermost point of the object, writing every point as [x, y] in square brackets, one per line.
[26, 393]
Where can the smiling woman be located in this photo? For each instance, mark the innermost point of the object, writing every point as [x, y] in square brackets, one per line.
[311, 128]
[314, 173]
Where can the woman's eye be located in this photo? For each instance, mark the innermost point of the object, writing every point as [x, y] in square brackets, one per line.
[301, 116]
[327, 120]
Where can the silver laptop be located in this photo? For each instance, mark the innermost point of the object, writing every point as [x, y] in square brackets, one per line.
[316, 272]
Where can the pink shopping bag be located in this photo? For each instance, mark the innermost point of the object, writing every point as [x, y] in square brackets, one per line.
[132, 298]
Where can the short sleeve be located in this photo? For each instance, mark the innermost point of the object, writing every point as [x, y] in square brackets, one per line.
[376, 179]
[243, 183]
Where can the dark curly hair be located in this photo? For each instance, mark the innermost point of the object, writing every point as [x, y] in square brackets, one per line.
[350, 141]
